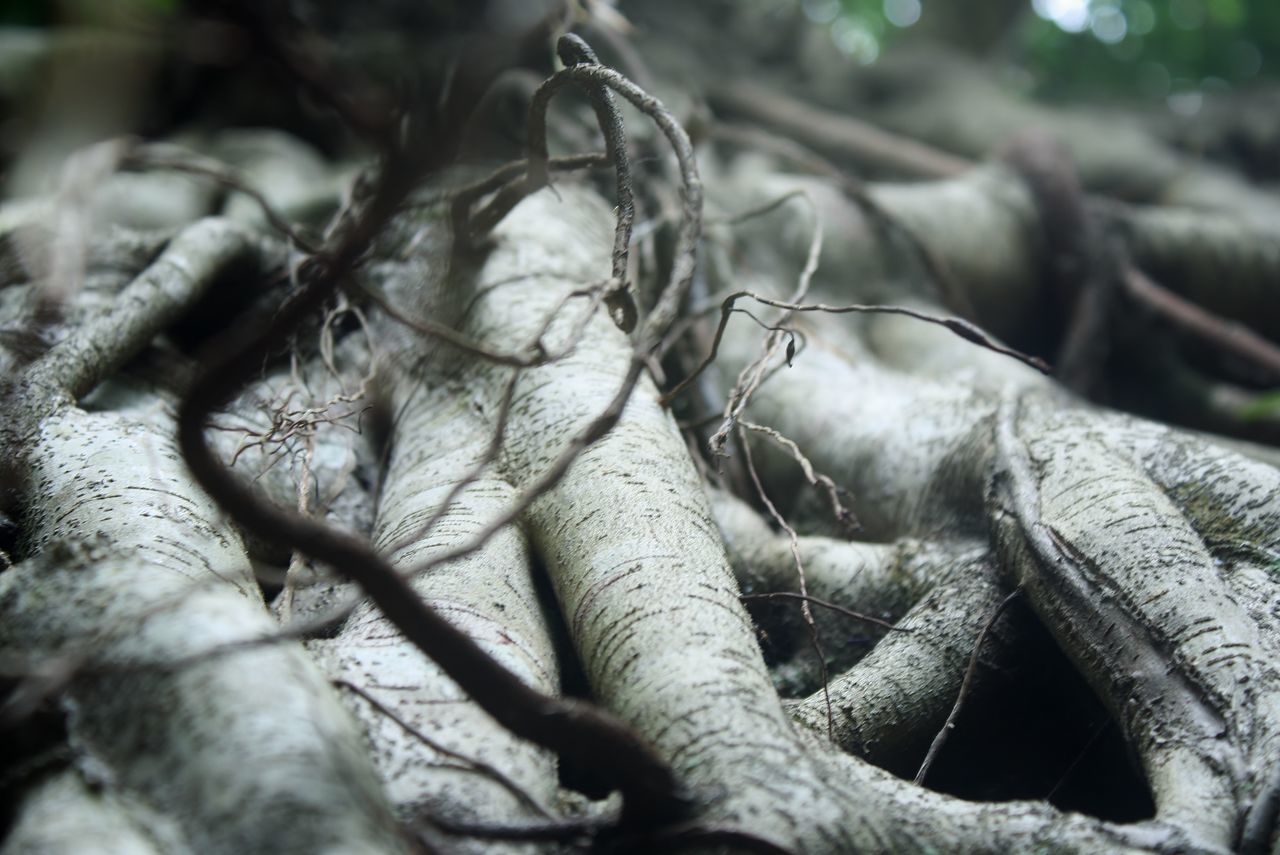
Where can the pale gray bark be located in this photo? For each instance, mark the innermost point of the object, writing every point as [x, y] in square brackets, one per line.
[136, 610]
[62, 814]
[1087, 519]
[132, 586]
[646, 590]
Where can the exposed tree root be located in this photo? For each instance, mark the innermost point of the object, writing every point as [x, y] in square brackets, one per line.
[528, 526]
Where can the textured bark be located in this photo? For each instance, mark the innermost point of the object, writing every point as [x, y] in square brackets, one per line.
[490, 595]
[62, 814]
[134, 615]
[1085, 521]
[133, 583]
[645, 587]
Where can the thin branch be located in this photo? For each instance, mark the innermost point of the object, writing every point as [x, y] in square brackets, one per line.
[749, 380]
[467, 226]
[447, 334]
[1230, 336]
[593, 431]
[574, 51]
[802, 282]
[1088, 746]
[838, 133]
[499, 432]
[965, 685]
[835, 607]
[306, 481]
[754, 374]
[950, 291]
[177, 159]
[962, 328]
[768, 207]
[816, 479]
[646, 337]
[807, 612]
[461, 201]
[477, 469]
[478, 766]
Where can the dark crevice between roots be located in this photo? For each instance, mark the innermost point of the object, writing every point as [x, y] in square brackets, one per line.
[774, 631]
[240, 288]
[784, 641]
[32, 745]
[573, 679]
[1037, 731]
[10, 532]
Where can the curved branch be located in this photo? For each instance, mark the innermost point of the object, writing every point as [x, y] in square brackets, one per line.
[596, 77]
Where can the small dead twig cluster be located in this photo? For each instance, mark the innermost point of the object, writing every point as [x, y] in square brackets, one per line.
[288, 426]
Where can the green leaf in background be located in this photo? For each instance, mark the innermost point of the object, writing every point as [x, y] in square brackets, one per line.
[1151, 49]
[1157, 50]
[1266, 405]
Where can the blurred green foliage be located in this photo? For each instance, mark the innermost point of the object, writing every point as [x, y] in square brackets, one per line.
[1266, 406]
[1149, 48]
[1153, 49]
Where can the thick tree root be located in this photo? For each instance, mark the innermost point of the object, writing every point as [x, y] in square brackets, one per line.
[1117, 568]
[135, 584]
[648, 596]
[488, 594]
